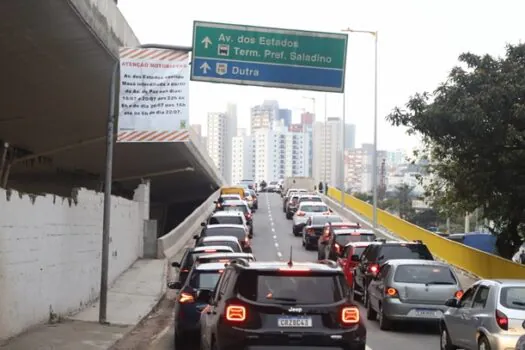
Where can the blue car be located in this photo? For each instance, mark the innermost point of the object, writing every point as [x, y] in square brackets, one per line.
[193, 297]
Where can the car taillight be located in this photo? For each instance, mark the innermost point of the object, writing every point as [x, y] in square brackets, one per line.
[236, 313]
[502, 320]
[458, 294]
[350, 315]
[184, 270]
[248, 216]
[300, 213]
[210, 250]
[373, 268]
[391, 292]
[294, 269]
[326, 231]
[337, 248]
[185, 298]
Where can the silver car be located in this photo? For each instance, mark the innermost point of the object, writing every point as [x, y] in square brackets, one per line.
[490, 315]
[304, 211]
[411, 290]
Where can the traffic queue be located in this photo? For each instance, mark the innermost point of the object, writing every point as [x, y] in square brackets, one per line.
[228, 299]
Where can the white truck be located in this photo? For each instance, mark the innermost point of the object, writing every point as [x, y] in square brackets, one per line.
[303, 182]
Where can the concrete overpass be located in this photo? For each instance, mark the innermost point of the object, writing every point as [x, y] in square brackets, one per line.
[56, 60]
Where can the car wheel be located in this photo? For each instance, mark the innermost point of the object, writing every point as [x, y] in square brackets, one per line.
[384, 323]
[483, 343]
[444, 340]
[371, 314]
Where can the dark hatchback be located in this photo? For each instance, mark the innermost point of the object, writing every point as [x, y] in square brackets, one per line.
[191, 300]
[314, 229]
[266, 305]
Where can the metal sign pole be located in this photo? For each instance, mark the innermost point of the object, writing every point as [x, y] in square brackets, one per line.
[104, 270]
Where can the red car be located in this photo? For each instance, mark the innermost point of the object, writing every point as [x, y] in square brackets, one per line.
[350, 259]
[323, 249]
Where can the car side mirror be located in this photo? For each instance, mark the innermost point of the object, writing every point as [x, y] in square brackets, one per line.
[175, 264]
[215, 202]
[452, 302]
[174, 285]
[330, 210]
[354, 258]
[203, 224]
[204, 296]
[250, 236]
[195, 236]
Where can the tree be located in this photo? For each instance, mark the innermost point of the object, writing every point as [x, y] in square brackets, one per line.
[404, 200]
[473, 129]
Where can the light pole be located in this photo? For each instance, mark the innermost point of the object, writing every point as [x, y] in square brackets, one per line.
[374, 154]
[310, 138]
[325, 140]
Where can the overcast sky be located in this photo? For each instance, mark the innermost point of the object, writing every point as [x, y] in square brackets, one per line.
[419, 42]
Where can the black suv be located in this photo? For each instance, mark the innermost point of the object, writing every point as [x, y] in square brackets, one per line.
[379, 252]
[277, 304]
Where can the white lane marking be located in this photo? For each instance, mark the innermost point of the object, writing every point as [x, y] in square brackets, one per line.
[276, 245]
[273, 230]
[368, 348]
[274, 236]
[279, 254]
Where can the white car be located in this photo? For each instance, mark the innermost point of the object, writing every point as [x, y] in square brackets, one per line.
[305, 210]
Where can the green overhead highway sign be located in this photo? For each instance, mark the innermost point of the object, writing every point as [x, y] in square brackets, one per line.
[271, 57]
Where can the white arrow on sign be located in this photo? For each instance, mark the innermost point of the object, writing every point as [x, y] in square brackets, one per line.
[206, 41]
[205, 67]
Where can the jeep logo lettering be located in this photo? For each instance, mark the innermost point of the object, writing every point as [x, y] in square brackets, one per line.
[295, 309]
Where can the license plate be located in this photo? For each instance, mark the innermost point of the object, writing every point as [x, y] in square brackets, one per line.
[295, 322]
[427, 313]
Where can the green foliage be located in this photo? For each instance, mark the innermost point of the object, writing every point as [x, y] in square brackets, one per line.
[473, 129]
[365, 197]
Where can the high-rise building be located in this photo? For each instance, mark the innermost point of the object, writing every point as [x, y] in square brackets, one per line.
[349, 136]
[279, 153]
[197, 128]
[231, 132]
[327, 156]
[307, 118]
[359, 168]
[285, 116]
[216, 139]
[295, 128]
[242, 158]
[307, 121]
[264, 116]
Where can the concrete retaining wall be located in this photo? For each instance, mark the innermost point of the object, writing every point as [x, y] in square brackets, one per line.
[169, 244]
[50, 251]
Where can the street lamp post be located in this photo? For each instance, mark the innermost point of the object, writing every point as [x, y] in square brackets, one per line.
[315, 115]
[374, 154]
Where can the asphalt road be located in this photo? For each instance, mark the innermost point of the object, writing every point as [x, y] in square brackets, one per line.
[272, 241]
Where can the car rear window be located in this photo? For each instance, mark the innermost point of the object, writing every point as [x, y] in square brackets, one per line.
[234, 220]
[513, 297]
[424, 274]
[274, 288]
[225, 231]
[192, 257]
[314, 208]
[359, 250]
[233, 245]
[204, 279]
[345, 238]
[404, 251]
[323, 219]
[310, 199]
[240, 207]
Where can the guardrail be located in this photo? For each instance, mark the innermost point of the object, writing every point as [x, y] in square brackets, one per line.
[169, 244]
[469, 259]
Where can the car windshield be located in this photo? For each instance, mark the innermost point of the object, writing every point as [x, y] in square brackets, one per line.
[236, 207]
[323, 219]
[234, 220]
[427, 274]
[513, 297]
[345, 238]
[404, 251]
[314, 208]
[274, 288]
[235, 246]
[204, 279]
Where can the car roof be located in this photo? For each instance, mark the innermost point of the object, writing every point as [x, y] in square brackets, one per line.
[231, 195]
[343, 230]
[313, 203]
[308, 195]
[345, 223]
[225, 226]
[215, 266]
[226, 255]
[281, 265]
[398, 262]
[358, 244]
[234, 202]
[211, 247]
[228, 213]
[321, 215]
[219, 238]
[510, 282]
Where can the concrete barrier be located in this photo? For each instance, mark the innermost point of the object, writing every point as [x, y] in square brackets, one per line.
[169, 244]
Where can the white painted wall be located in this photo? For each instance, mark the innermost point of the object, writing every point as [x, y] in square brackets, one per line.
[50, 253]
